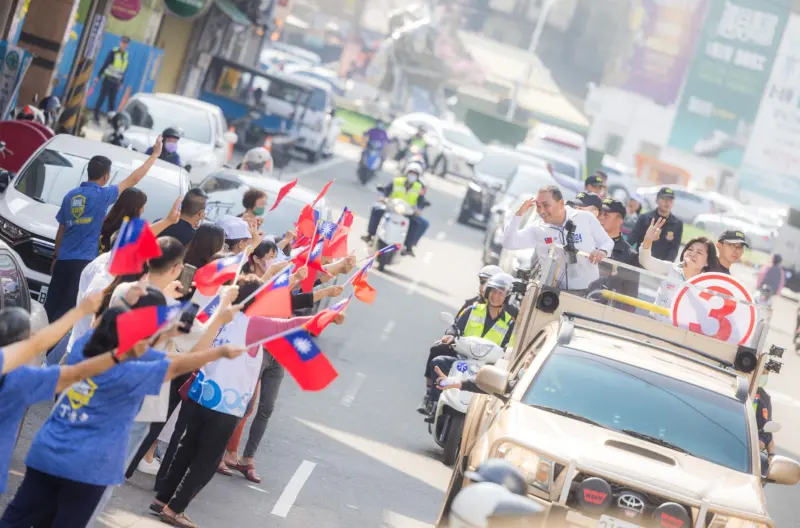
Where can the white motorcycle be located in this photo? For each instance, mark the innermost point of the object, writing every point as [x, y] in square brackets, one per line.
[392, 229]
[448, 423]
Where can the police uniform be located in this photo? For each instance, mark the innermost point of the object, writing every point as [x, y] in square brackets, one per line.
[509, 309]
[112, 74]
[762, 405]
[414, 195]
[668, 246]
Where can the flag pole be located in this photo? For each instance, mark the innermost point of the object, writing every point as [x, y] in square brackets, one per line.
[313, 241]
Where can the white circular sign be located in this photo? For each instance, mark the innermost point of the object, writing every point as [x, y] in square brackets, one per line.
[718, 316]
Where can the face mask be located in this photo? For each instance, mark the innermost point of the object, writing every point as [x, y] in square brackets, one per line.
[762, 381]
[258, 211]
[171, 147]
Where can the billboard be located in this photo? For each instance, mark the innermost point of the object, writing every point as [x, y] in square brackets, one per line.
[662, 38]
[771, 167]
[726, 79]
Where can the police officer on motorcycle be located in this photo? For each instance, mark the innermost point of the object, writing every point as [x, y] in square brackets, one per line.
[417, 140]
[484, 275]
[487, 319]
[410, 189]
[257, 160]
[171, 136]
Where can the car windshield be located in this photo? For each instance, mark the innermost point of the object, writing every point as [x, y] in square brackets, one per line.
[462, 138]
[317, 102]
[156, 114]
[620, 396]
[498, 165]
[562, 167]
[53, 174]
[528, 181]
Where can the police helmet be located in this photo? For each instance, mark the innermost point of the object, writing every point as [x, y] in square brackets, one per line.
[502, 281]
[489, 271]
[257, 159]
[414, 167]
[500, 472]
[121, 121]
[172, 132]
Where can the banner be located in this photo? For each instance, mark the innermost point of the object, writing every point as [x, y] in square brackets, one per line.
[14, 62]
[662, 37]
[727, 77]
[771, 165]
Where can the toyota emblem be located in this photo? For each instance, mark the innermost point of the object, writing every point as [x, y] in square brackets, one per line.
[632, 505]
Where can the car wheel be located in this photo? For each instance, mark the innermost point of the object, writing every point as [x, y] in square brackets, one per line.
[618, 192]
[440, 167]
[463, 216]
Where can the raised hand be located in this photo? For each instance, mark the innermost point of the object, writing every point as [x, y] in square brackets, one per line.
[654, 231]
[526, 206]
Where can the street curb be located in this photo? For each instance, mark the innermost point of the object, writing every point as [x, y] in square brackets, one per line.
[351, 139]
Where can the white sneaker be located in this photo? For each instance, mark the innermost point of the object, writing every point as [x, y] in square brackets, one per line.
[149, 468]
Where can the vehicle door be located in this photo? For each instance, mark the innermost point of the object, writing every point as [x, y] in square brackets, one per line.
[220, 145]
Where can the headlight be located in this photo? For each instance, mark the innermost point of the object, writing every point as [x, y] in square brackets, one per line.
[538, 471]
[720, 521]
[11, 231]
[400, 209]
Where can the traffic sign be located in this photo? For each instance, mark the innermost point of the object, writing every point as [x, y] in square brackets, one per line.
[719, 316]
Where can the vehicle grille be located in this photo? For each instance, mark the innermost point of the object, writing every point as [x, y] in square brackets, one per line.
[36, 255]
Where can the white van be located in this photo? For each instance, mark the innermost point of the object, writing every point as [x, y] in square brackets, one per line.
[559, 140]
[30, 200]
[319, 127]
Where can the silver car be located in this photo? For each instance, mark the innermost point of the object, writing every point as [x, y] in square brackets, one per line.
[688, 205]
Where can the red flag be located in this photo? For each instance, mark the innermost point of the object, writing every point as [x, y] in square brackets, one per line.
[346, 220]
[273, 299]
[311, 258]
[300, 241]
[135, 244]
[318, 323]
[297, 352]
[323, 191]
[210, 277]
[307, 221]
[141, 323]
[282, 193]
[361, 288]
[336, 248]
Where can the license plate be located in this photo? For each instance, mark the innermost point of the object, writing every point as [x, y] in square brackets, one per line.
[43, 294]
[612, 522]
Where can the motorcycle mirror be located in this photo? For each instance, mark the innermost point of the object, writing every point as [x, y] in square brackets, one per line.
[771, 427]
[5, 180]
[188, 168]
[447, 318]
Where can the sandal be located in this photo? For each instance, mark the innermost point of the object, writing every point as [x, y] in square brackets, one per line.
[224, 469]
[157, 506]
[249, 472]
[181, 520]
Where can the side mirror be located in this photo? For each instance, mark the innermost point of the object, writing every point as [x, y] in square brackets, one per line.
[188, 168]
[447, 318]
[5, 180]
[231, 137]
[771, 427]
[333, 112]
[781, 470]
[492, 380]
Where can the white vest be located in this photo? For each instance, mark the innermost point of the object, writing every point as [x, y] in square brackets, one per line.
[226, 385]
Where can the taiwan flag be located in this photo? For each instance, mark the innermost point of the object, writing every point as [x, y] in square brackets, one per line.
[210, 277]
[141, 323]
[311, 259]
[209, 310]
[273, 299]
[346, 219]
[297, 352]
[134, 245]
[283, 192]
[307, 222]
[322, 319]
[361, 288]
[322, 192]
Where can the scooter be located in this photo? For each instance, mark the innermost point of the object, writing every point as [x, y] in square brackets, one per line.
[448, 422]
[371, 161]
[764, 295]
[120, 122]
[392, 229]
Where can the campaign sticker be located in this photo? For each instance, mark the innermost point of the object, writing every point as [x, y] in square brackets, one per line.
[462, 366]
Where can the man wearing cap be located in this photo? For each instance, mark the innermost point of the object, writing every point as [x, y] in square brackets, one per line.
[624, 281]
[587, 201]
[595, 184]
[112, 74]
[730, 248]
[669, 243]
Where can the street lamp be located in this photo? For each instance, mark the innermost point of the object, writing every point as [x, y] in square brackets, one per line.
[537, 35]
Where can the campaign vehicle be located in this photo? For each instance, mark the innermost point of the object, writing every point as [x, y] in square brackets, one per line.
[626, 414]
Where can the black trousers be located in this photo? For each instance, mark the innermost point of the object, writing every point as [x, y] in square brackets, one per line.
[63, 291]
[439, 349]
[200, 450]
[46, 500]
[108, 90]
[156, 427]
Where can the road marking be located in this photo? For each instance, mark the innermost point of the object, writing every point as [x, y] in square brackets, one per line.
[292, 489]
[441, 235]
[387, 330]
[412, 288]
[257, 488]
[317, 168]
[350, 395]
[427, 258]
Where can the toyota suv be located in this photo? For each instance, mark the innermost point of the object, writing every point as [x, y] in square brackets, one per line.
[618, 420]
[30, 200]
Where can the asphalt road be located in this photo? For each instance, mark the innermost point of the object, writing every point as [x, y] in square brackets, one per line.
[358, 454]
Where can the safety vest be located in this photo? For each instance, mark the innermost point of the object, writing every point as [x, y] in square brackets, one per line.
[418, 142]
[118, 66]
[411, 195]
[477, 321]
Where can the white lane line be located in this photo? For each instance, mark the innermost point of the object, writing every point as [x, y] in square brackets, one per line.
[350, 395]
[412, 288]
[316, 168]
[292, 489]
[257, 488]
[387, 330]
[427, 258]
[441, 235]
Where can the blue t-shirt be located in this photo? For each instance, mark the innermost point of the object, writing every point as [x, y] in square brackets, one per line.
[82, 212]
[86, 436]
[19, 389]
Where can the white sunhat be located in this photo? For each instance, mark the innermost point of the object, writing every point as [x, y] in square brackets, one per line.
[235, 228]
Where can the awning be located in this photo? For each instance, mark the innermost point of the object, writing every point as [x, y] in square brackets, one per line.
[233, 12]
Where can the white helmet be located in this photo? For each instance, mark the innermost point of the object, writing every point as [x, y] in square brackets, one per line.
[257, 159]
[414, 167]
[489, 271]
[502, 281]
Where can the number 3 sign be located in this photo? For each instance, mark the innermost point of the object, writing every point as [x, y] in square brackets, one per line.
[699, 310]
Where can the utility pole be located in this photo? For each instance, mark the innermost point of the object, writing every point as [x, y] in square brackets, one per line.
[80, 73]
[537, 35]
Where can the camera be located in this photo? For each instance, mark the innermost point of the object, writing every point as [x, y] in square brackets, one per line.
[187, 318]
[570, 249]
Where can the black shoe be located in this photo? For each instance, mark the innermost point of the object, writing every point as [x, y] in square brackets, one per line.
[424, 407]
[430, 418]
[408, 252]
[367, 238]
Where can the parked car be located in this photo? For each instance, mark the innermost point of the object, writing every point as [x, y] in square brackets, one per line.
[30, 200]
[320, 127]
[566, 171]
[687, 204]
[622, 181]
[14, 291]
[452, 148]
[492, 174]
[759, 238]
[206, 140]
[721, 202]
[560, 141]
